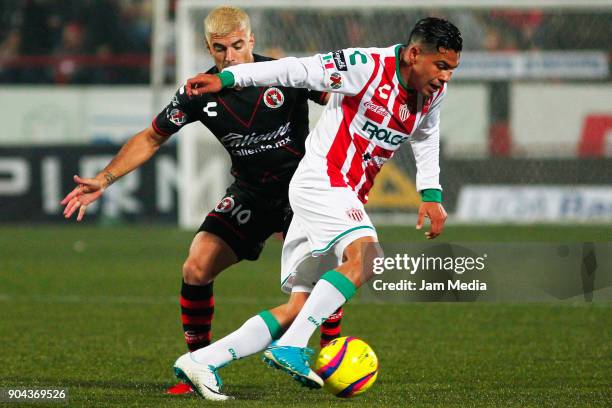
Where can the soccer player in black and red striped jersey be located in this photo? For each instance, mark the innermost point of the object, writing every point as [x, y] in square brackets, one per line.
[263, 129]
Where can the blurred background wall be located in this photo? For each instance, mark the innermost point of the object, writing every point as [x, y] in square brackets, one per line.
[526, 128]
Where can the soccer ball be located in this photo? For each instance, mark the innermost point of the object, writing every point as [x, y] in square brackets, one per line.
[348, 366]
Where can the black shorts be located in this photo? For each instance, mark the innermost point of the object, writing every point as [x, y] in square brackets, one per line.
[245, 219]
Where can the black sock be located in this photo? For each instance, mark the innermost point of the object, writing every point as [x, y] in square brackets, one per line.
[330, 329]
[197, 309]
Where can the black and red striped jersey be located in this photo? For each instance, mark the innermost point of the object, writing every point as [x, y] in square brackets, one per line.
[262, 128]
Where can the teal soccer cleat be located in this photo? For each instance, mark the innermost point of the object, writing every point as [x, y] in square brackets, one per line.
[295, 362]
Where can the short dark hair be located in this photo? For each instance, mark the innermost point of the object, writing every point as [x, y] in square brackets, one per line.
[435, 33]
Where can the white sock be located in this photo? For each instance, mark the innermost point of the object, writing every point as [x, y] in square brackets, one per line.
[322, 302]
[252, 337]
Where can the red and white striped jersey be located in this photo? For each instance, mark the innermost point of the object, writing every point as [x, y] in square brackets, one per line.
[370, 114]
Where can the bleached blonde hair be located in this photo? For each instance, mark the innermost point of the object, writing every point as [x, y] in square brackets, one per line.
[224, 20]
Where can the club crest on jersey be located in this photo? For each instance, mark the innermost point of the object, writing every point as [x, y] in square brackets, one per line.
[273, 98]
[335, 80]
[355, 214]
[177, 117]
[225, 205]
[404, 112]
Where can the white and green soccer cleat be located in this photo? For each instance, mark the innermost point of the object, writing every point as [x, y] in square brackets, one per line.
[203, 378]
[295, 362]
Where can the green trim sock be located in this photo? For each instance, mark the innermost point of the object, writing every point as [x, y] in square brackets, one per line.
[274, 327]
[330, 292]
[340, 282]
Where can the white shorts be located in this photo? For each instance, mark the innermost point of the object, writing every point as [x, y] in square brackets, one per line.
[325, 221]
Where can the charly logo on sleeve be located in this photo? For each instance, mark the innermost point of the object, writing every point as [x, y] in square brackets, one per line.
[273, 98]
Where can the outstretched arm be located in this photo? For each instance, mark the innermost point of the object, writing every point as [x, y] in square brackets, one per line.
[140, 148]
[321, 72]
[292, 72]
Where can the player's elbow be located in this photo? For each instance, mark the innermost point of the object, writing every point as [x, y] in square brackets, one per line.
[153, 139]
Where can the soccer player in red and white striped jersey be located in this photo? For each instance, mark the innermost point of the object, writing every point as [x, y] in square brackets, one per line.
[382, 98]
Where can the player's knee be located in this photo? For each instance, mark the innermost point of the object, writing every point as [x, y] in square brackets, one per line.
[195, 274]
[353, 262]
[359, 262]
[352, 269]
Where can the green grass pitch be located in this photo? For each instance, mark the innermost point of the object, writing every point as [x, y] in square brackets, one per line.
[95, 310]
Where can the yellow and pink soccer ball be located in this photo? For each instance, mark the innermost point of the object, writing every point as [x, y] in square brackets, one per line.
[348, 366]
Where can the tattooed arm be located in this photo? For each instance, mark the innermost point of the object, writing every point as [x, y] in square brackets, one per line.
[140, 148]
[132, 155]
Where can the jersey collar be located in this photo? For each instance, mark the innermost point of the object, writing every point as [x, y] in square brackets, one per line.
[398, 48]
